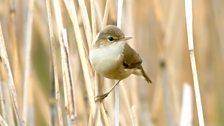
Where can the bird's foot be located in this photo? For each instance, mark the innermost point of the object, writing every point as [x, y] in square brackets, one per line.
[100, 98]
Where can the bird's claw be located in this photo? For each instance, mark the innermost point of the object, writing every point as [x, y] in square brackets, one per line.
[100, 98]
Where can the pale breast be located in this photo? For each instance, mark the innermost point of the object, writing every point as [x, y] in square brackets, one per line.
[108, 61]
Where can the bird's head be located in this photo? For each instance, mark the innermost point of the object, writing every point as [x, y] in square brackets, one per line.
[110, 34]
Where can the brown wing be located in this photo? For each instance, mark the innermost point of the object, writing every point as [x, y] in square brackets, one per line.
[131, 58]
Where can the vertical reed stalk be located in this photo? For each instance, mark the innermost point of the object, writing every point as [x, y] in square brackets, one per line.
[106, 13]
[73, 15]
[66, 66]
[27, 54]
[186, 111]
[86, 21]
[93, 18]
[16, 66]
[54, 63]
[9, 106]
[2, 99]
[189, 19]
[119, 22]
[11, 85]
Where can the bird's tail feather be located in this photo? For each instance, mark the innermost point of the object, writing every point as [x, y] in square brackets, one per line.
[140, 72]
[146, 77]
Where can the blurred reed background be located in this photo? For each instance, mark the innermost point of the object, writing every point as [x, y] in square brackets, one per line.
[46, 77]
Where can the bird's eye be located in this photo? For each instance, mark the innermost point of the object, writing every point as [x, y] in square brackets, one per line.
[110, 38]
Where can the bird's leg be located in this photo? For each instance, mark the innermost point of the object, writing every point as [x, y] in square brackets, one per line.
[101, 97]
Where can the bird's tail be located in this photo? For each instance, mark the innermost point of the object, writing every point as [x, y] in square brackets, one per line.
[142, 73]
[146, 76]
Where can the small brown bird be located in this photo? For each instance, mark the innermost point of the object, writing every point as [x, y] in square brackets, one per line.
[113, 58]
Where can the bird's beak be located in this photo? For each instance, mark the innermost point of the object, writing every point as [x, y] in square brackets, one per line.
[127, 38]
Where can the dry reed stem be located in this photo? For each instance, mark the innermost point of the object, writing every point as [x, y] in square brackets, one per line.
[135, 118]
[15, 53]
[7, 103]
[99, 15]
[187, 105]
[119, 12]
[97, 83]
[80, 95]
[99, 80]
[93, 18]
[66, 66]
[106, 13]
[73, 15]
[112, 12]
[96, 119]
[68, 78]
[119, 22]
[109, 105]
[96, 89]
[30, 109]
[84, 61]
[27, 54]
[94, 33]
[189, 19]
[54, 63]
[12, 90]
[104, 115]
[2, 99]
[2, 122]
[128, 105]
[134, 96]
[86, 21]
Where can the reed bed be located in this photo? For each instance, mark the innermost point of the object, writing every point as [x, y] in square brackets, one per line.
[46, 77]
